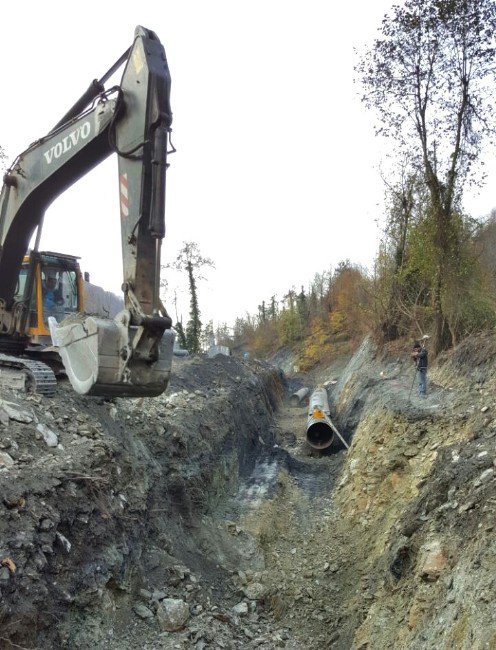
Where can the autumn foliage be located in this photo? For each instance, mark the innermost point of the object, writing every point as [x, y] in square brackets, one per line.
[332, 313]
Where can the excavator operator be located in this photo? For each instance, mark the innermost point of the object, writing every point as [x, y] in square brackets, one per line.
[52, 295]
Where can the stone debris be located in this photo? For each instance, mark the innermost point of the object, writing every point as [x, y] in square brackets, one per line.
[6, 460]
[15, 413]
[64, 542]
[162, 554]
[241, 609]
[142, 611]
[172, 614]
[434, 561]
[255, 591]
[49, 436]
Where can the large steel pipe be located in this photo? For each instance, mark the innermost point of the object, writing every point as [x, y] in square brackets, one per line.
[320, 432]
[298, 398]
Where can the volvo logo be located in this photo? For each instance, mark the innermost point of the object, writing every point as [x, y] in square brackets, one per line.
[66, 144]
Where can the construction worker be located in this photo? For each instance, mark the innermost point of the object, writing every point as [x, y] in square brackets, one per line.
[419, 355]
[53, 300]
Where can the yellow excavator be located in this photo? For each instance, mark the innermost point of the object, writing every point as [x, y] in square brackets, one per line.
[41, 294]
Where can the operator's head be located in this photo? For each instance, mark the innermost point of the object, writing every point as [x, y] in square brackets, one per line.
[51, 282]
[416, 345]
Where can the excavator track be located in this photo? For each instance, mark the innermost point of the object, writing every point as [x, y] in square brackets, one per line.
[39, 377]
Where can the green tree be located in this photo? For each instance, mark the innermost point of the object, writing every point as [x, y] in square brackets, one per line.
[208, 335]
[273, 309]
[398, 288]
[223, 335]
[303, 307]
[190, 260]
[262, 312]
[429, 78]
[181, 335]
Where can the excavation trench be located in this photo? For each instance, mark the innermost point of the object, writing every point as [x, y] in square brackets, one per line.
[144, 500]
[210, 500]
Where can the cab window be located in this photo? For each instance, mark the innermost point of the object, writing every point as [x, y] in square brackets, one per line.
[59, 292]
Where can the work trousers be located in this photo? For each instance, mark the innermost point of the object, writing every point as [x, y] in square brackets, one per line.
[422, 373]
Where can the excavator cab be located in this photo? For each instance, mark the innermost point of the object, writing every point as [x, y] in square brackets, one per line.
[50, 285]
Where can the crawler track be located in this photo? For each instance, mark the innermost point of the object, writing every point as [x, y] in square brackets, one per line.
[39, 377]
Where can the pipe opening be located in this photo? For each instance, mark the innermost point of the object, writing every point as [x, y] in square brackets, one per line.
[320, 435]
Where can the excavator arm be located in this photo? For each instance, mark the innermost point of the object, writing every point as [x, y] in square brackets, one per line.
[133, 120]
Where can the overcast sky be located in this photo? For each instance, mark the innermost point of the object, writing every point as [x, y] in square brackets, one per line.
[276, 170]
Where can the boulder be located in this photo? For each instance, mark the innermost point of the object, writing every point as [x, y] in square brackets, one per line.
[172, 614]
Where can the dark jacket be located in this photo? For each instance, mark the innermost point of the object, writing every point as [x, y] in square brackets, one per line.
[421, 359]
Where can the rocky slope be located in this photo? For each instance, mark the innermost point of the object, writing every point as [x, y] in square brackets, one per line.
[403, 555]
[105, 509]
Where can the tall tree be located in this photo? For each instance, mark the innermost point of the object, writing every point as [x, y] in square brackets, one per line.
[262, 312]
[181, 335]
[190, 260]
[429, 77]
[208, 335]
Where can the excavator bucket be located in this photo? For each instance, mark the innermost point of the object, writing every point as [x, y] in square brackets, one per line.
[112, 358]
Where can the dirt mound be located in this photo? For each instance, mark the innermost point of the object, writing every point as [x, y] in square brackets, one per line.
[106, 506]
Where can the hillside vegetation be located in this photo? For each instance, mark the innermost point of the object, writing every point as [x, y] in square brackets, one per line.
[428, 78]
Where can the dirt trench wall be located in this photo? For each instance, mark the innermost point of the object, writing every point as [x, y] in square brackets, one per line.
[414, 510]
[110, 507]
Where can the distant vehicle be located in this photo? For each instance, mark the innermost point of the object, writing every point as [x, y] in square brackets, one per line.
[177, 350]
[214, 350]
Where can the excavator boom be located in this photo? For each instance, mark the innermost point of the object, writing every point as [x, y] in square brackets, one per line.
[131, 355]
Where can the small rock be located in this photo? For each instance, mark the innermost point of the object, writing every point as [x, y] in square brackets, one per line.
[142, 611]
[486, 476]
[15, 413]
[484, 409]
[354, 466]
[410, 452]
[158, 595]
[172, 614]
[6, 460]
[434, 561]
[4, 418]
[145, 594]
[4, 574]
[255, 591]
[49, 436]
[241, 609]
[64, 541]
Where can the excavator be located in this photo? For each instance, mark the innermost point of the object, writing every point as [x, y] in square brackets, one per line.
[131, 354]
